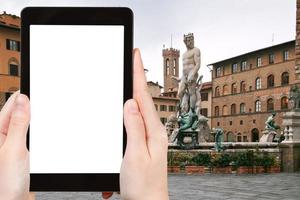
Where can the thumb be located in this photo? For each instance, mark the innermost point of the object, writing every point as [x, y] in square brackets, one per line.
[135, 128]
[19, 122]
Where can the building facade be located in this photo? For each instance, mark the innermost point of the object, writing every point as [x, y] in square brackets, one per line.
[249, 87]
[154, 89]
[9, 56]
[206, 97]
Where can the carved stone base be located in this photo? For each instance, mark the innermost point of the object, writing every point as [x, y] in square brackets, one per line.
[188, 139]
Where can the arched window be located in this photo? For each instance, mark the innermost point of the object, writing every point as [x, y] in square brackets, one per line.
[270, 104]
[239, 137]
[258, 83]
[233, 109]
[243, 87]
[284, 103]
[285, 78]
[174, 67]
[168, 66]
[242, 108]
[217, 111]
[225, 110]
[233, 88]
[230, 137]
[255, 135]
[270, 81]
[13, 67]
[217, 91]
[225, 90]
[168, 62]
[257, 106]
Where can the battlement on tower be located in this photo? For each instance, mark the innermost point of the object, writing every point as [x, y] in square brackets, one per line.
[171, 52]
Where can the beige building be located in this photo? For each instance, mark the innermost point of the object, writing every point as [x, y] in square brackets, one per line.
[206, 97]
[9, 56]
[154, 89]
[165, 106]
[249, 87]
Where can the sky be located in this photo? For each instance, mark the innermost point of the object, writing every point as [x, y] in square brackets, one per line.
[222, 28]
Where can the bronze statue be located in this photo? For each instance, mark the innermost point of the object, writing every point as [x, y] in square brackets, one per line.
[270, 123]
[218, 139]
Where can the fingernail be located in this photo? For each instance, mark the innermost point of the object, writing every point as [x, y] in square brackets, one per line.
[20, 101]
[132, 106]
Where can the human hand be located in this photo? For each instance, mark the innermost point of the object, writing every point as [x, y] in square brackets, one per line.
[14, 156]
[144, 167]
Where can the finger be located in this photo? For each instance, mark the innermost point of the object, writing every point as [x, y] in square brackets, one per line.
[5, 117]
[6, 113]
[135, 128]
[19, 123]
[106, 195]
[31, 196]
[144, 99]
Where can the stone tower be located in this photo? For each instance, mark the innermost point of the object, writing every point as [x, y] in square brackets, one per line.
[171, 68]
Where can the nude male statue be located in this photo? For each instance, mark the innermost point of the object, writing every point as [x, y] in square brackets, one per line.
[191, 64]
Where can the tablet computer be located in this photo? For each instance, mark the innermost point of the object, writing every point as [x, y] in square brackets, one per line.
[77, 72]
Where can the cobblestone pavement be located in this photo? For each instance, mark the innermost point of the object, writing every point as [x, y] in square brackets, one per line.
[281, 186]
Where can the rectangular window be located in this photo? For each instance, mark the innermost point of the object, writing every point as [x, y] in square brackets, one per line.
[218, 72]
[163, 108]
[244, 65]
[13, 70]
[204, 112]
[234, 68]
[204, 96]
[242, 108]
[12, 45]
[245, 139]
[259, 62]
[271, 58]
[285, 55]
[172, 108]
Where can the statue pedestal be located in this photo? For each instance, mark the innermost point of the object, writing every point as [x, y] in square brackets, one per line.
[290, 147]
[268, 136]
[291, 122]
[188, 138]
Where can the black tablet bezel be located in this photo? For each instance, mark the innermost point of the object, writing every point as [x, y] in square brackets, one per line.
[76, 16]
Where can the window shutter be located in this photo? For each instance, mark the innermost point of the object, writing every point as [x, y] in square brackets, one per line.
[18, 46]
[7, 44]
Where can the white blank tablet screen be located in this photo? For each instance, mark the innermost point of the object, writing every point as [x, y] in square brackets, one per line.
[76, 94]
